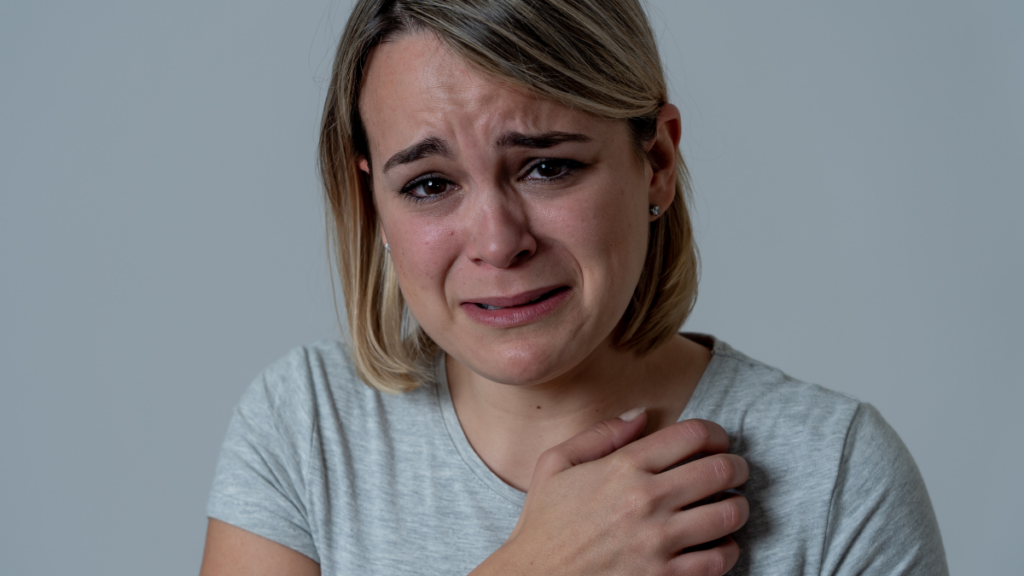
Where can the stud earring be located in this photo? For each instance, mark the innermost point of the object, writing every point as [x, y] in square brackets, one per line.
[387, 247]
[655, 210]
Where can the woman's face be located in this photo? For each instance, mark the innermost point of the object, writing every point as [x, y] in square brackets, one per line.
[517, 226]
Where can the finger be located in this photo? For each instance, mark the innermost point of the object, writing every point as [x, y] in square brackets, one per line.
[699, 479]
[714, 561]
[676, 443]
[595, 442]
[707, 523]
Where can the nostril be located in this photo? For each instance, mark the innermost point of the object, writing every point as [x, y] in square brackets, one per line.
[521, 256]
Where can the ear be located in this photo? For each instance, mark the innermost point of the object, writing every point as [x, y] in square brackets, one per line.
[662, 153]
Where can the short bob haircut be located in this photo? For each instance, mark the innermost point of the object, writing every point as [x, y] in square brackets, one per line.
[598, 56]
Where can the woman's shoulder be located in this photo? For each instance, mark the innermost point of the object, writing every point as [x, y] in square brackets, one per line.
[768, 413]
[790, 430]
[738, 388]
[291, 436]
[317, 379]
[831, 480]
[306, 367]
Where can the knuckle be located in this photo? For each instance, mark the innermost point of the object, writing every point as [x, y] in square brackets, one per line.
[716, 565]
[733, 514]
[551, 458]
[602, 435]
[637, 502]
[625, 461]
[603, 430]
[649, 494]
[722, 469]
[633, 506]
[697, 430]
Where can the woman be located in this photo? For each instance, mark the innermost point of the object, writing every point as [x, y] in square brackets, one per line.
[509, 214]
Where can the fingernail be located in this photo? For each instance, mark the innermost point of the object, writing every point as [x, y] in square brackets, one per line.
[632, 414]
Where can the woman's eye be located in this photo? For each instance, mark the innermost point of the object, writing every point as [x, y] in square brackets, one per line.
[550, 169]
[426, 187]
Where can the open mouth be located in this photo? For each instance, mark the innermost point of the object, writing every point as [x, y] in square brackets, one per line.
[540, 298]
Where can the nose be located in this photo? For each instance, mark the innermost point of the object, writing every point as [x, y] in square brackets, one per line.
[499, 231]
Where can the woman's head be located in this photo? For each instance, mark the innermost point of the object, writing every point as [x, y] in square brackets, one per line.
[538, 134]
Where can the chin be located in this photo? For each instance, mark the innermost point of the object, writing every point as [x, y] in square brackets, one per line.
[526, 363]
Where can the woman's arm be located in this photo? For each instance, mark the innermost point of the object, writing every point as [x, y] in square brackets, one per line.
[231, 551]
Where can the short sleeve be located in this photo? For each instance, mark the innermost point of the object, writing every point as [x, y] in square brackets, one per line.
[880, 519]
[260, 484]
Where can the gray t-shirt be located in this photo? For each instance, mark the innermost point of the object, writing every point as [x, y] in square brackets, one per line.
[370, 483]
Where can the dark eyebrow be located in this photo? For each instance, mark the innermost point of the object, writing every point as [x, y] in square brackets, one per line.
[431, 146]
[545, 140]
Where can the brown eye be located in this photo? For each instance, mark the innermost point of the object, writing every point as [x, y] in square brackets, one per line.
[434, 186]
[548, 169]
[427, 188]
[552, 169]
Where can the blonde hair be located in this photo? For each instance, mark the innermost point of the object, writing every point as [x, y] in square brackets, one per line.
[598, 56]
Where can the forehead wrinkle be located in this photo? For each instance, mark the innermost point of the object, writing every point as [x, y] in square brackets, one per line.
[505, 119]
[542, 140]
[395, 85]
[491, 105]
[444, 98]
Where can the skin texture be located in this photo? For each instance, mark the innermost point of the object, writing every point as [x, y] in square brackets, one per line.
[486, 209]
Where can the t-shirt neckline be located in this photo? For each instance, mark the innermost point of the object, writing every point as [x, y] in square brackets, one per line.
[489, 478]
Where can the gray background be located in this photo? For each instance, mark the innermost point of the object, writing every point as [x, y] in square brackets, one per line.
[161, 241]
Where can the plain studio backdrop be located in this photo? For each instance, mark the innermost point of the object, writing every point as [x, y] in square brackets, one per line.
[859, 211]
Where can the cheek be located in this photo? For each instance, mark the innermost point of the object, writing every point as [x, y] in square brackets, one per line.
[422, 252]
[608, 233]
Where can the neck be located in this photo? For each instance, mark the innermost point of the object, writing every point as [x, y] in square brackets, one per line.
[510, 426]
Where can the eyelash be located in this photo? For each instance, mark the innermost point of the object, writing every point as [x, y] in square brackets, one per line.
[568, 167]
[407, 190]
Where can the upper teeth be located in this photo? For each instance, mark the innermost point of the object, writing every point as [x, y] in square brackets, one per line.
[489, 307]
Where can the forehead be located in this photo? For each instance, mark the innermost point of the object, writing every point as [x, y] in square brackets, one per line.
[416, 87]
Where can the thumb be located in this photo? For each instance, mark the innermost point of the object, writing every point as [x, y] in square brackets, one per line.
[595, 442]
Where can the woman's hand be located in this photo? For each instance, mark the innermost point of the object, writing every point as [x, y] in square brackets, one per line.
[601, 503]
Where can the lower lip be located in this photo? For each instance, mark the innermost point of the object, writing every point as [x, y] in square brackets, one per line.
[516, 315]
